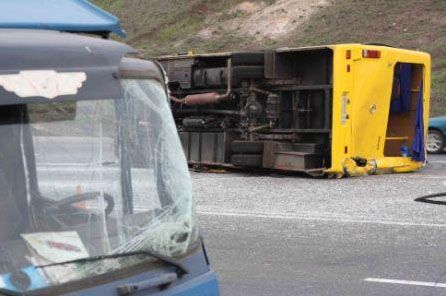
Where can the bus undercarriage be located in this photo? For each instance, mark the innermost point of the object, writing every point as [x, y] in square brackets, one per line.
[266, 110]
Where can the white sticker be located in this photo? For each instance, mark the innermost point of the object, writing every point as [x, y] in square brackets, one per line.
[43, 83]
[57, 246]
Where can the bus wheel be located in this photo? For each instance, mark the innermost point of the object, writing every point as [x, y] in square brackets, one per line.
[435, 142]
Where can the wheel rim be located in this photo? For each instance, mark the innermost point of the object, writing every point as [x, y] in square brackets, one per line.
[434, 142]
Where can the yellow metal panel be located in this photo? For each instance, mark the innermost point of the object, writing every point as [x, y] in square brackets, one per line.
[360, 125]
[341, 120]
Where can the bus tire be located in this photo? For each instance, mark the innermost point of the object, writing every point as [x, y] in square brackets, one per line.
[247, 58]
[242, 73]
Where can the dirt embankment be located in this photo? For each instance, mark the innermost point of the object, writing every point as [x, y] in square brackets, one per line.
[259, 20]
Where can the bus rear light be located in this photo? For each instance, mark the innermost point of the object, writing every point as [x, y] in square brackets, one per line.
[371, 54]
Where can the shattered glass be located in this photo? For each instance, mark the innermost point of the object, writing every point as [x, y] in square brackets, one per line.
[98, 177]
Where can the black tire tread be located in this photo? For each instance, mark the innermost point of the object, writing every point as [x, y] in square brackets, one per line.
[241, 73]
[248, 58]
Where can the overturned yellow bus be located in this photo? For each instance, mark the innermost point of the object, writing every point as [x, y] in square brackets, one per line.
[337, 110]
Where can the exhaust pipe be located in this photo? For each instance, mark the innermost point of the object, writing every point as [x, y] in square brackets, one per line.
[208, 98]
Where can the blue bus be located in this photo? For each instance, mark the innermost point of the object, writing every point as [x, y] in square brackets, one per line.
[96, 196]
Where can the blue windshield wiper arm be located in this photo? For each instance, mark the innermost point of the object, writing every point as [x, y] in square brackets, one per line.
[180, 269]
[161, 281]
[8, 292]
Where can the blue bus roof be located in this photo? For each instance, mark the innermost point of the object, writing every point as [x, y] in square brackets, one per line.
[60, 15]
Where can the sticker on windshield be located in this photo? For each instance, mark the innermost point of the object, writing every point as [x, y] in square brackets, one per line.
[56, 246]
[43, 83]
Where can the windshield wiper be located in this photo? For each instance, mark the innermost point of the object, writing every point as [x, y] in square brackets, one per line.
[431, 199]
[180, 269]
[162, 280]
[8, 292]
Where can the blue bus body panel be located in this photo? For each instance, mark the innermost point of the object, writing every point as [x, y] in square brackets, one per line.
[59, 15]
[204, 285]
[200, 281]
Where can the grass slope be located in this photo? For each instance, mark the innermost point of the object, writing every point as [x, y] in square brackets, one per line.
[169, 26]
[157, 27]
[413, 24]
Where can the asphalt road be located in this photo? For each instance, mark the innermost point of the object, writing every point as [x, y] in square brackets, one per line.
[285, 235]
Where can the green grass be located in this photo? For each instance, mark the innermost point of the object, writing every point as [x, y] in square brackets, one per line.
[170, 26]
[179, 29]
[412, 24]
[438, 94]
[109, 5]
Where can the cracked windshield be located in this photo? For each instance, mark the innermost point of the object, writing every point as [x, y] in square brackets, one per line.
[101, 184]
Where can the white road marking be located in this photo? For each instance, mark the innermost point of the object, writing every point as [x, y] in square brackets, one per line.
[323, 219]
[428, 177]
[403, 282]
